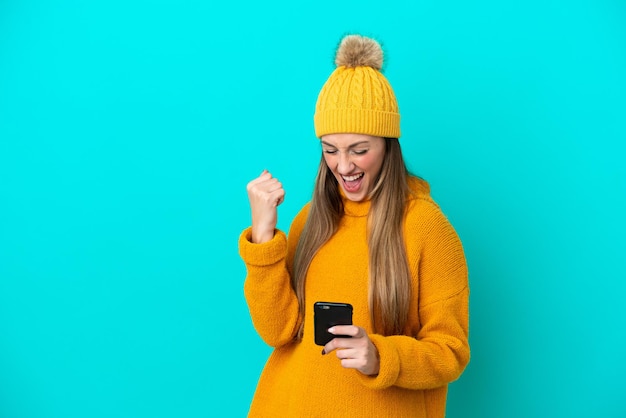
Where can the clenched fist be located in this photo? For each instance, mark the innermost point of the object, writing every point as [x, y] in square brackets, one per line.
[265, 194]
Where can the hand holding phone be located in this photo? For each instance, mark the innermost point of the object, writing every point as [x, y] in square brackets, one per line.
[329, 314]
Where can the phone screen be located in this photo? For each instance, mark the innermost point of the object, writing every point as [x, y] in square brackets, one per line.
[328, 314]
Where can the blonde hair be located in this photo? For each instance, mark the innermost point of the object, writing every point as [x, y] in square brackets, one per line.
[389, 275]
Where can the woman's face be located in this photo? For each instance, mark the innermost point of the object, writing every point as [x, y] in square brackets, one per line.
[355, 160]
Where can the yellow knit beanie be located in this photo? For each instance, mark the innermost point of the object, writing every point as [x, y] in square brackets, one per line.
[357, 98]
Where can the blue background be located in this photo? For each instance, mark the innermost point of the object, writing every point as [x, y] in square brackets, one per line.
[129, 129]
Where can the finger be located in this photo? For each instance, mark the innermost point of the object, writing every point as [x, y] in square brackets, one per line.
[353, 363]
[281, 199]
[265, 188]
[347, 353]
[264, 183]
[350, 330]
[340, 344]
[332, 345]
[346, 344]
[276, 197]
[273, 185]
[254, 183]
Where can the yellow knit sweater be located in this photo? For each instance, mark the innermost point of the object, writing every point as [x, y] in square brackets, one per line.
[298, 381]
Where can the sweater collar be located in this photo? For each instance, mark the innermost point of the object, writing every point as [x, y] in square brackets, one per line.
[355, 209]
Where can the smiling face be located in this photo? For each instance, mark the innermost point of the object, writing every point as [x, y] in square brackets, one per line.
[355, 161]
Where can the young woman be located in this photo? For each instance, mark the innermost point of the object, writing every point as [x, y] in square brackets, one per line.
[372, 237]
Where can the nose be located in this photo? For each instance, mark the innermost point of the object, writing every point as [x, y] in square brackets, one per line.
[344, 163]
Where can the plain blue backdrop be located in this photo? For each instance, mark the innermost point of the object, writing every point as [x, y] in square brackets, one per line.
[129, 129]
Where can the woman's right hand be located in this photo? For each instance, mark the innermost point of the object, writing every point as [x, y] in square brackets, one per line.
[265, 194]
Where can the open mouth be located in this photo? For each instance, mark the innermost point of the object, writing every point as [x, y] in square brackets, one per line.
[352, 183]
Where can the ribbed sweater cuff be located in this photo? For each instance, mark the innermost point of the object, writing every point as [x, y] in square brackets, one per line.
[389, 365]
[268, 253]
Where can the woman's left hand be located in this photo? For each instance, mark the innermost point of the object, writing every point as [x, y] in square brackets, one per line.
[357, 352]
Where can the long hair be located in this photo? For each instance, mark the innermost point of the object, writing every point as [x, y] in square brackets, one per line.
[389, 275]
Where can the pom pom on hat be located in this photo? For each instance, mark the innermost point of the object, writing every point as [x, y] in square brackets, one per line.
[357, 98]
[359, 51]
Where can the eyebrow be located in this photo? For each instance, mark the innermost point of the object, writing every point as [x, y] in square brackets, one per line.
[356, 144]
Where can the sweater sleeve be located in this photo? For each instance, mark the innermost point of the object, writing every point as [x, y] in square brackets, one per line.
[440, 351]
[271, 300]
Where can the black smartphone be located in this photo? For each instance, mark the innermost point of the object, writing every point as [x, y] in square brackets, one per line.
[329, 314]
